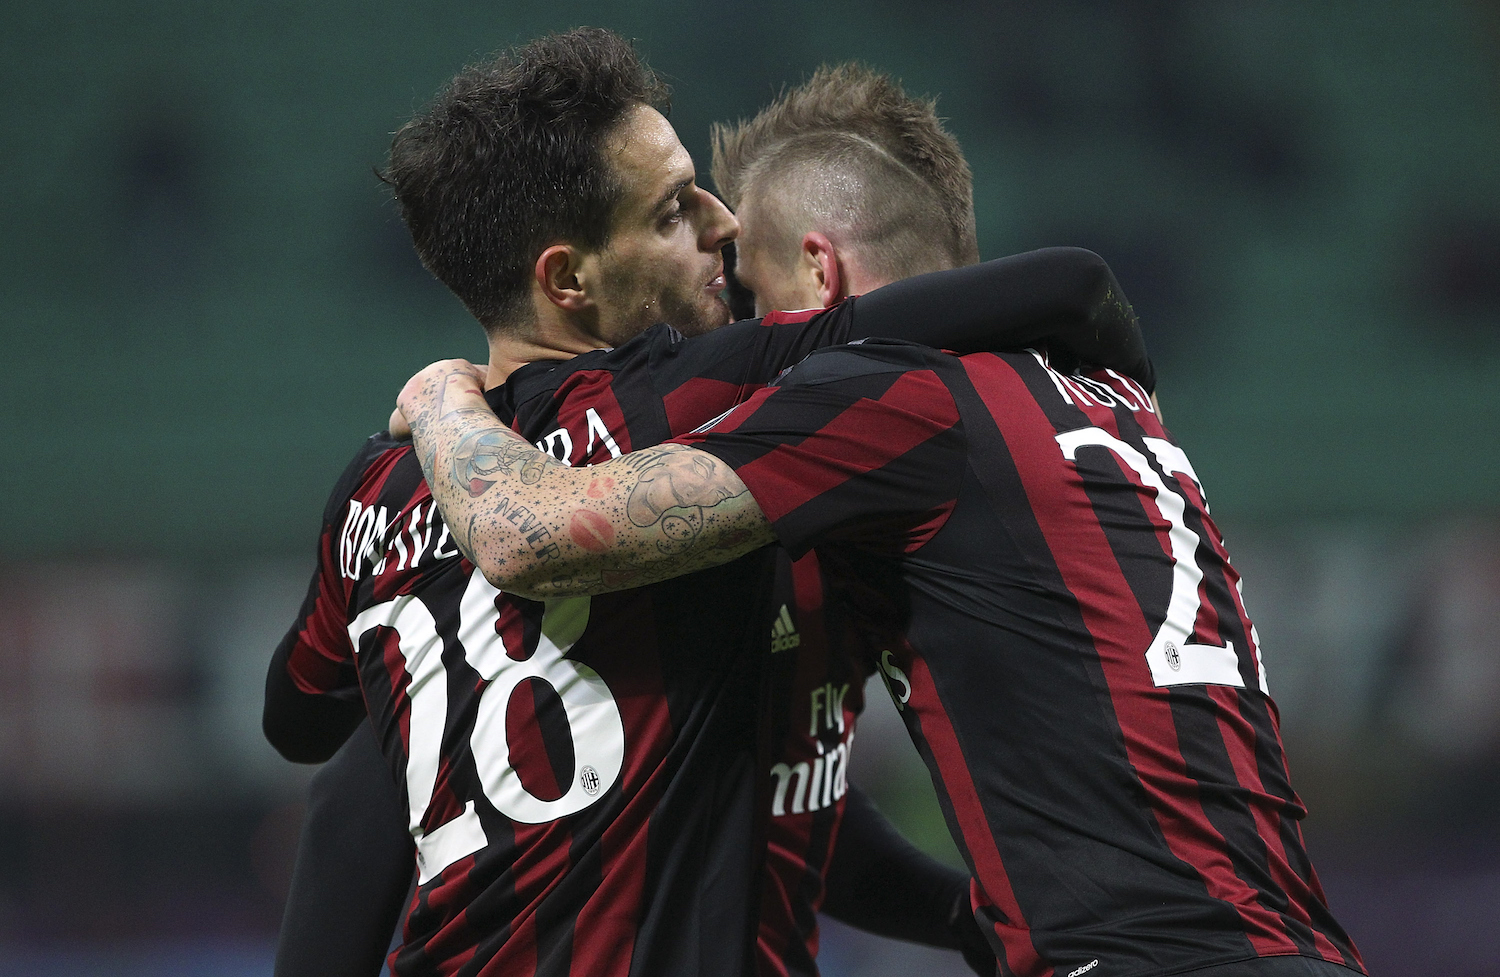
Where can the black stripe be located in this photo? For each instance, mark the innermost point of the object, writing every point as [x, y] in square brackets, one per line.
[1226, 804]
[779, 421]
[1106, 797]
[1148, 571]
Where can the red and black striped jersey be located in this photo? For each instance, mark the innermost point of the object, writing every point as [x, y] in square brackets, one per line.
[816, 693]
[585, 777]
[1062, 630]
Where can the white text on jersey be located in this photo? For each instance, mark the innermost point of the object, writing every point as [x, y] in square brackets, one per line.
[1086, 391]
[559, 442]
[370, 537]
[814, 786]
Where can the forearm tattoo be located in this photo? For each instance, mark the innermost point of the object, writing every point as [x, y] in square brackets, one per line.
[542, 529]
[483, 455]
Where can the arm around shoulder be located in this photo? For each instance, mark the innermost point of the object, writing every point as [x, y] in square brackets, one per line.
[1064, 298]
[540, 529]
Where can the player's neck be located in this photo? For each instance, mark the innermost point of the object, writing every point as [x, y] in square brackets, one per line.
[857, 282]
[550, 340]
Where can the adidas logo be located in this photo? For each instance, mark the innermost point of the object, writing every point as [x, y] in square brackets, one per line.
[784, 634]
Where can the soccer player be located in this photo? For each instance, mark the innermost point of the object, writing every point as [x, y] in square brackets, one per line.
[1062, 628]
[1059, 621]
[584, 778]
[842, 184]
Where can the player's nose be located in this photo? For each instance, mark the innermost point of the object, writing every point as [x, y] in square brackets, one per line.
[720, 226]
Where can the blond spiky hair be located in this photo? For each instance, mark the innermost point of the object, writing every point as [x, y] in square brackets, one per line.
[848, 114]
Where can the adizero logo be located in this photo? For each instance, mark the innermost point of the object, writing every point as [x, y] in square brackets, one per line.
[784, 636]
[1085, 968]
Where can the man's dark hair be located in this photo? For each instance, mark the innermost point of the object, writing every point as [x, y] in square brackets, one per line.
[510, 159]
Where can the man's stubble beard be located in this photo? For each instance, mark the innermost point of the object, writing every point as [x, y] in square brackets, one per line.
[701, 320]
[689, 309]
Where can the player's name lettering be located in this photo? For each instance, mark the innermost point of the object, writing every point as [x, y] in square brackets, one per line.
[559, 442]
[784, 636]
[803, 787]
[1088, 392]
[371, 537]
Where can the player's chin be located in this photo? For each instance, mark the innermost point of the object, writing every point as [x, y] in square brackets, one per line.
[708, 315]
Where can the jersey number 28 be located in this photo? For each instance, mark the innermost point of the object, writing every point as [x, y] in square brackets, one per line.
[593, 716]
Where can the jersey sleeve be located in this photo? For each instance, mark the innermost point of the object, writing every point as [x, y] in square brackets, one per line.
[751, 352]
[860, 444]
[700, 378]
[1064, 299]
[313, 699]
[882, 883]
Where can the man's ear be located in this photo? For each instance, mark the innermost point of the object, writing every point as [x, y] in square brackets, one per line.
[821, 261]
[558, 275]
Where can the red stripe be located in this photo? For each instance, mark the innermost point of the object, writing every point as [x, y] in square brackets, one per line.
[387, 644]
[1088, 567]
[605, 929]
[1231, 580]
[742, 412]
[700, 400]
[621, 633]
[769, 947]
[542, 860]
[575, 396]
[1239, 743]
[792, 474]
[1209, 628]
[789, 837]
[994, 886]
[792, 317]
[323, 642]
[529, 756]
[1206, 626]
[920, 534]
[455, 944]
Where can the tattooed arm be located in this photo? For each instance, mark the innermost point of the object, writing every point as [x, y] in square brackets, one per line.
[539, 529]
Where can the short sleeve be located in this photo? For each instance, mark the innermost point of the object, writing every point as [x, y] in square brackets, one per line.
[313, 699]
[319, 653]
[860, 444]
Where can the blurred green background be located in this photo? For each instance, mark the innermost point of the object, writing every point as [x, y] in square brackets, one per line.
[208, 302]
